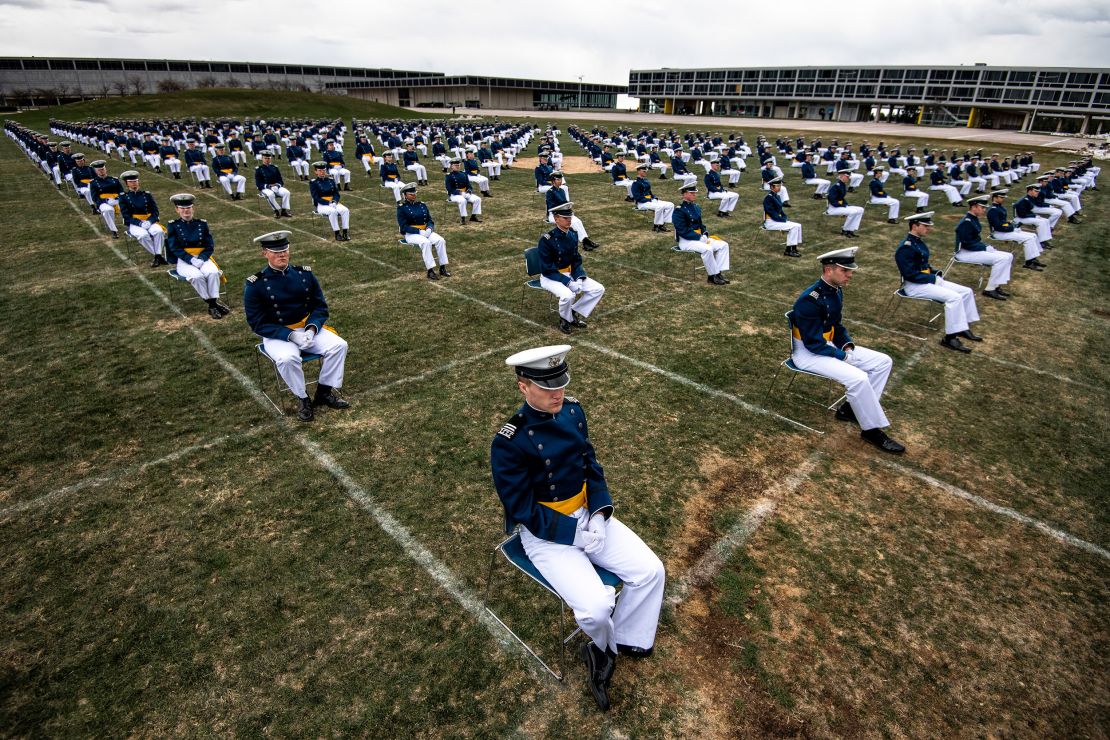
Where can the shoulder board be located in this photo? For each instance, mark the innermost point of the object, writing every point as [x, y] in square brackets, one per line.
[254, 277]
[305, 268]
[201, 221]
[571, 399]
[507, 430]
[907, 243]
[547, 235]
[814, 294]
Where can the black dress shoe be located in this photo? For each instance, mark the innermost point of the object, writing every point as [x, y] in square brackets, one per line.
[1072, 219]
[1003, 292]
[630, 651]
[845, 413]
[475, 219]
[578, 323]
[1033, 265]
[1047, 245]
[158, 261]
[968, 334]
[346, 235]
[878, 438]
[994, 294]
[325, 396]
[599, 670]
[306, 412]
[629, 199]
[286, 212]
[443, 271]
[952, 341]
[565, 326]
[892, 220]
[432, 274]
[787, 205]
[215, 312]
[222, 308]
[115, 235]
[1036, 262]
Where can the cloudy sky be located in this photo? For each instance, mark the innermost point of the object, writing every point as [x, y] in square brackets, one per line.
[562, 40]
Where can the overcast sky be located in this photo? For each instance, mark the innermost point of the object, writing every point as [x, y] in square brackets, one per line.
[601, 41]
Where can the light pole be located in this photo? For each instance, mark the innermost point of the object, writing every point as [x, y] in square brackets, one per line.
[840, 108]
[580, 92]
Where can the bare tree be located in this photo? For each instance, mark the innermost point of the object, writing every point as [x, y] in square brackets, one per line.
[138, 84]
[120, 87]
[104, 90]
[168, 86]
[232, 82]
[47, 94]
[206, 81]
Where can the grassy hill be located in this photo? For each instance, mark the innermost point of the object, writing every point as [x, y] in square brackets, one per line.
[232, 102]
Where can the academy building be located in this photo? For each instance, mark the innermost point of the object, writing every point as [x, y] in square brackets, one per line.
[1066, 100]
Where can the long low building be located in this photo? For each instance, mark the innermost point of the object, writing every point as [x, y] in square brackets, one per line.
[1043, 99]
[471, 91]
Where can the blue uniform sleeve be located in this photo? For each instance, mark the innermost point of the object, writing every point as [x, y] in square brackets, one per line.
[683, 225]
[966, 236]
[549, 266]
[809, 321]
[906, 259]
[259, 181]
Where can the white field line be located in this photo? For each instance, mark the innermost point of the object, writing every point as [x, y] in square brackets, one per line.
[1005, 511]
[416, 273]
[409, 544]
[138, 469]
[737, 536]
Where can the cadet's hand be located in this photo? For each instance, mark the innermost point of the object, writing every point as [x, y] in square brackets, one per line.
[310, 334]
[587, 540]
[196, 262]
[297, 337]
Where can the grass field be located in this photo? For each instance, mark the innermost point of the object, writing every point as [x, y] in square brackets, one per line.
[178, 560]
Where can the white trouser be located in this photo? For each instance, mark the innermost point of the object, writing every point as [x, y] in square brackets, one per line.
[201, 171]
[663, 210]
[920, 196]
[1030, 244]
[626, 184]
[56, 172]
[993, 179]
[570, 571]
[205, 279]
[153, 160]
[273, 192]
[999, 262]
[338, 215]
[739, 163]
[714, 253]
[575, 224]
[238, 156]
[427, 240]
[299, 166]
[368, 163]
[963, 186]
[587, 290]
[894, 206]
[1044, 229]
[1052, 214]
[86, 192]
[150, 234]
[979, 183]
[1063, 205]
[855, 179]
[661, 166]
[959, 302]
[793, 230]
[239, 181]
[733, 175]
[728, 200]
[423, 149]
[853, 215]
[420, 170]
[395, 186]
[821, 183]
[173, 163]
[952, 193]
[287, 359]
[107, 210]
[134, 154]
[462, 199]
[493, 166]
[340, 175]
[1073, 198]
[863, 374]
[480, 180]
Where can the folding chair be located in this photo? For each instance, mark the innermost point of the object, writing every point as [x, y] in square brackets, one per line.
[983, 273]
[698, 264]
[789, 364]
[893, 303]
[513, 550]
[279, 385]
[176, 280]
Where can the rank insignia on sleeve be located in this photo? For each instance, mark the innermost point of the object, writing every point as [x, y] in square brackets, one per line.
[507, 431]
[252, 278]
[815, 294]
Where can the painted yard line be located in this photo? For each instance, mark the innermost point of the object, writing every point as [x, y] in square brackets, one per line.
[1005, 511]
[1047, 373]
[415, 275]
[670, 375]
[436, 569]
[100, 480]
[629, 306]
[710, 563]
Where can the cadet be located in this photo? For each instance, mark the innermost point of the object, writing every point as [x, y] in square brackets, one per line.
[909, 190]
[458, 191]
[284, 305]
[412, 164]
[955, 195]
[692, 236]
[298, 160]
[717, 192]
[971, 249]
[336, 166]
[1026, 213]
[879, 196]
[561, 272]
[473, 169]
[190, 243]
[557, 196]
[919, 279]
[838, 204]
[809, 177]
[822, 346]
[82, 176]
[228, 173]
[104, 192]
[140, 217]
[679, 171]
[271, 185]
[1004, 231]
[619, 173]
[417, 228]
[194, 160]
[645, 200]
[551, 485]
[542, 173]
[150, 149]
[364, 151]
[391, 175]
[774, 219]
[325, 198]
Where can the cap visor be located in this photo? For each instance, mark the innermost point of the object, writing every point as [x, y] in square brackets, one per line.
[552, 384]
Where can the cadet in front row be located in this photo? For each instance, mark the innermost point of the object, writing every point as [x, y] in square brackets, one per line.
[417, 228]
[561, 272]
[190, 243]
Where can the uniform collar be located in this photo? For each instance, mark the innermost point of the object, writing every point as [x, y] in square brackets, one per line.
[535, 414]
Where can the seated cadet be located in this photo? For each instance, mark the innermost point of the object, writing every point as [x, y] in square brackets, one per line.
[473, 169]
[729, 170]
[298, 160]
[692, 236]
[550, 483]
[955, 195]
[333, 157]
[82, 176]
[855, 179]
[227, 172]
[774, 219]
[771, 172]
[271, 185]
[487, 160]
[412, 164]
[325, 198]
[679, 171]
[364, 151]
[716, 191]
[140, 217]
[619, 173]
[168, 154]
[557, 196]
[809, 177]
[1026, 213]
[189, 243]
[542, 173]
[645, 200]
[439, 153]
[920, 280]
[561, 272]
[391, 175]
[1060, 195]
[235, 149]
[879, 196]
[284, 305]
[838, 205]
[910, 190]
[458, 192]
[1004, 231]
[149, 148]
[655, 162]
[417, 228]
[104, 192]
[822, 346]
[1049, 205]
[194, 160]
[971, 249]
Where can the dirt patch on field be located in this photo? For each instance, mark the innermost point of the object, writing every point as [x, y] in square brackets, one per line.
[571, 165]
